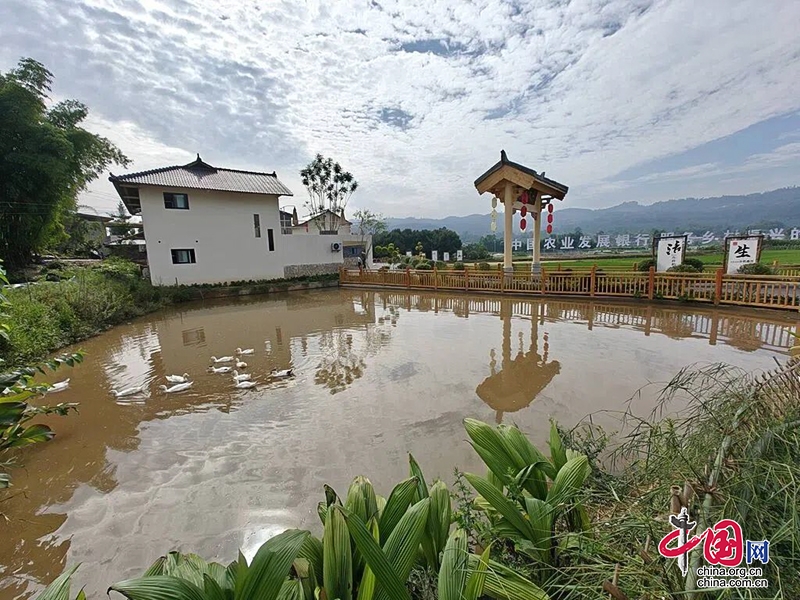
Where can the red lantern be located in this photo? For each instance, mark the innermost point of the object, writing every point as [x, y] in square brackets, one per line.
[550, 217]
[522, 223]
[524, 210]
[549, 229]
[524, 197]
[550, 207]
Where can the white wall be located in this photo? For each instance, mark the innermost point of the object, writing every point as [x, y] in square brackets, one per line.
[219, 227]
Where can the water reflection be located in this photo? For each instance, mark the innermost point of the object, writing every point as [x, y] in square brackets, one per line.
[521, 378]
[378, 374]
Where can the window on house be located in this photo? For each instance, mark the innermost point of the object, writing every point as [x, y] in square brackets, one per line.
[257, 225]
[286, 223]
[352, 251]
[183, 257]
[179, 201]
[270, 240]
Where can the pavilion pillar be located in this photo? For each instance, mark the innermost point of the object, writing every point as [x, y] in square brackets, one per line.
[536, 268]
[508, 212]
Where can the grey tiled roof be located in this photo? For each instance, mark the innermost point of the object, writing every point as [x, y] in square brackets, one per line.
[537, 176]
[202, 176]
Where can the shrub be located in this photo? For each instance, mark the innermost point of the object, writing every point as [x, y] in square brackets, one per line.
[440, 264]
[645, 264]
[484, 266]
[424, 266]
[458, 266]
[684, 268]
[756, 269]
[695, 262]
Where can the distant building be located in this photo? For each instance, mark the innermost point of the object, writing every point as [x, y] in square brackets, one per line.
[96, 233]
[204, 224]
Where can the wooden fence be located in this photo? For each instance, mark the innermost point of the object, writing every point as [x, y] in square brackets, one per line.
[773, 291]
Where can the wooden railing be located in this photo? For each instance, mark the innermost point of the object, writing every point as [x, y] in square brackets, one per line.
[772, 291]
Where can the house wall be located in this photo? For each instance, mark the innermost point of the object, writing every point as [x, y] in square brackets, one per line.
[219, 227]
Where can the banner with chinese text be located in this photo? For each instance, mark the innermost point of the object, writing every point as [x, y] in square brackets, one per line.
[740, 251]
[670, 252]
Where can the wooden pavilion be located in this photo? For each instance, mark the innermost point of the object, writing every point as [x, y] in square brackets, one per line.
[508, 181]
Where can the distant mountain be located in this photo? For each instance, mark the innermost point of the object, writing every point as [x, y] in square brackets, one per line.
[778, 208]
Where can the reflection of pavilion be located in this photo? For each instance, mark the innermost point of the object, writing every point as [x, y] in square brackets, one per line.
[521, 378]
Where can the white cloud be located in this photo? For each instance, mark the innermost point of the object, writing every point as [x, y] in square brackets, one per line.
[583, 90]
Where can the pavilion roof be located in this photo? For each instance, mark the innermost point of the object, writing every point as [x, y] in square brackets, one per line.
[523, 177]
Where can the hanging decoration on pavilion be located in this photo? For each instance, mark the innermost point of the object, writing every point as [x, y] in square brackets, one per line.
[493, 225]
[523, 198]
[550, 218]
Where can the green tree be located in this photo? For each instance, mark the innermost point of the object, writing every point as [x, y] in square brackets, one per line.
[329, 188]
[370, 224]
[492, 243]
[46, 158]
[475, 252]
[121, 218]
[81, 236]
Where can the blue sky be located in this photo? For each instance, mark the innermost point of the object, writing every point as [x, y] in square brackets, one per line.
[620, 99]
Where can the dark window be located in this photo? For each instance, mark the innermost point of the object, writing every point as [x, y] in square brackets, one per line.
[270, 240]
[180, 201]
[257, 225]
[183, 257]
[352, 251]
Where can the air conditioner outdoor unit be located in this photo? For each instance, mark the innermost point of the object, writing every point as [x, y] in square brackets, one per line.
[335, 247]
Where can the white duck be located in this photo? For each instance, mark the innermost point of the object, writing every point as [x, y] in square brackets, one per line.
[222, 359]
[242, 377]
[244, 352]
[220, 369]
[127, 391]
[58, 387]
[177, 388]
[245, 385]
[283, 373]
[240, 364]
[178, 378]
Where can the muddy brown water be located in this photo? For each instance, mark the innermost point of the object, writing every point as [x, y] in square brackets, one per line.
[378, 374]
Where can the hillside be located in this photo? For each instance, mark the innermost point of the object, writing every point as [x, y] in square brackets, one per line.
[777, 208]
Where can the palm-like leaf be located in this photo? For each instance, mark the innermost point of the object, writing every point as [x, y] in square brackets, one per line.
[59, 589]
[453, 574]
[502, 505]
[158, 587]
[568, 481]
[396, 506]
[385, 575]
[504, 584]
[337, 566]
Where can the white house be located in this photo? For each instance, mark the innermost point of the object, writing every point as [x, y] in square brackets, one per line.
[204, 224]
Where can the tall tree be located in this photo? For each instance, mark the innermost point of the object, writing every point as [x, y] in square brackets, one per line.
[370, 224]
[329, 188]
[46, 158]
[121, 218]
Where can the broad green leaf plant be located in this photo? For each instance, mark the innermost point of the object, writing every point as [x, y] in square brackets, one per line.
[16, 389]
[528, 496]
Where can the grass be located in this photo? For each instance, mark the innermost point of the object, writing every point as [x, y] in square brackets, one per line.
[789, 256]
[733, 452]
[70, 304]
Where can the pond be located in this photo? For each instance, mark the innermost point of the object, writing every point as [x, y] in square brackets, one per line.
[377, 375]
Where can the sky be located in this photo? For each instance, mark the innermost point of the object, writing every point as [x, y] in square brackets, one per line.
[620, 100]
